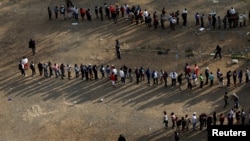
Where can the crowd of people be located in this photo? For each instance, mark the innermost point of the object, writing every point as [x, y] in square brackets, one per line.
[234, 116]
[136, 14]
[192, 75]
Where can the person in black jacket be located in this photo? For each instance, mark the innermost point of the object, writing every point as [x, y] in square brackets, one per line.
[121, 138]
[218, 52]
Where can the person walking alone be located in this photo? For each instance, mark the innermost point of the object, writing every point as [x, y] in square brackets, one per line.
[218, 52]
[117, 48]
[32, 45]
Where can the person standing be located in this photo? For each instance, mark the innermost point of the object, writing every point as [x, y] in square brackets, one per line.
[89, 15]
[49, 13]
[184, 17]
[201, 81]
[96, 12]
[69, 71]
[45, 70]
[207, 75]
[102, 71]
[247, 74]
[50, 69]
[112, 78]
[234, 77]
[122, 76]
[214, 21]
[148, 74]
[173, 118]
[214, 118]
[95, 71]
[243, 117]
[222, 119]
[77, 71]
[173, 76]
[83, 69]
[189, 79]
[21, 68]
[194, 120]
[165, 119]
[32, 67]
[82, 12]
[62, 68]
[211, 78]
[162, 21]
[202, 20]
[218, 51]
[188, 121]
[117, 48]
[219, 22]
[225, 100]
[176, 136]
[240, 75]
[121, 138]
[56, 12]
[229, 74]
[197, 19]
[179, 79]
[177, 17]
[40, 68]
[101, 13]
[62, 12]
[249, 109]
[32, 45]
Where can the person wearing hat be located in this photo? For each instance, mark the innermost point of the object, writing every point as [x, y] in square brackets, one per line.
[207, 75]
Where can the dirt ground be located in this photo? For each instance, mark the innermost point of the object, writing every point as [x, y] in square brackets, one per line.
[39, 109]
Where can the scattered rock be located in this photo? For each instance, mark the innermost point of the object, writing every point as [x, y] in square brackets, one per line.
[235, 61]
[101, 100]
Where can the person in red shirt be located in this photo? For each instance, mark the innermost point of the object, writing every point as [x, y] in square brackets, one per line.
[82, 12]
[196, 69]
[122, 9]
[112, 78]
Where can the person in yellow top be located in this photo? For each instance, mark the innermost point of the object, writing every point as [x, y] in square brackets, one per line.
[201, 80]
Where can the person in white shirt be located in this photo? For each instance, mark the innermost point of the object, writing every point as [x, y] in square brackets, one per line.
[155, 77]
[232, 11]
[194, 120]
[165, 119]
[114, 70]
[145, 14]
[184, 17]
[121, 72]
[173, 76]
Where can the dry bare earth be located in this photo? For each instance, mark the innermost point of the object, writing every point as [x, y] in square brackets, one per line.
[45, 109]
